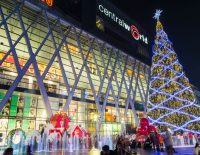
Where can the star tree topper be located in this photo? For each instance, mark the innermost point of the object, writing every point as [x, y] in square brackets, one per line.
[157, 14]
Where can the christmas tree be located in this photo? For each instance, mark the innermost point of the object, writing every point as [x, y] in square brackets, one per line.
[171, 99]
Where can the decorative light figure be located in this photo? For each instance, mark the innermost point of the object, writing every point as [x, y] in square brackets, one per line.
[157, 14]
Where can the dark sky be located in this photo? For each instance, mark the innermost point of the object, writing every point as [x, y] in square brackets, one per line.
[181, 21]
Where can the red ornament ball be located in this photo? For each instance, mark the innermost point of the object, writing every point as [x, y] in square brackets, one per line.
[151, 128]
[144, 122]
[143, 131]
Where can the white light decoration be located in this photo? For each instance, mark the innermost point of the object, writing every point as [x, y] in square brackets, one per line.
[157, 14]
[16, 138]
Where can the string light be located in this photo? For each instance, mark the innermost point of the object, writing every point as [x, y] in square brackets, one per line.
[171, 99]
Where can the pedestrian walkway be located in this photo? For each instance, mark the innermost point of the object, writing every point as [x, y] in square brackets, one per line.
[180, 151]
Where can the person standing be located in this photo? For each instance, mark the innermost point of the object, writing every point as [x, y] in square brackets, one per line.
[8, 151]
[119, 149]
[185, 136]
[106, 150]
[190, 136]
[161, 141]
[157, 141]
[196, 138]
[29, 152]
[168, 141]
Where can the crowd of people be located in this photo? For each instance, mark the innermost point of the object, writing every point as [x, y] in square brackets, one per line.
[123, 147]
[165, 142]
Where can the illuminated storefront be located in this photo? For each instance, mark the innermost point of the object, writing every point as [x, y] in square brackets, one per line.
[48, 64]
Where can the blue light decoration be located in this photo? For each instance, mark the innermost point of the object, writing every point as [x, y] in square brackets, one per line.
[171, 99]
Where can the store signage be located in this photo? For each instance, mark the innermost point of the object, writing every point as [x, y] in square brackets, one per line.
[9, 63]
[47, 2]
[122, 23]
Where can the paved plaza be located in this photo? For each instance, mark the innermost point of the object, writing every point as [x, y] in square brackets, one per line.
[180, 151]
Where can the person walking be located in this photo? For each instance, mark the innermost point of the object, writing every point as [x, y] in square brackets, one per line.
[168, 141]
[196, 149]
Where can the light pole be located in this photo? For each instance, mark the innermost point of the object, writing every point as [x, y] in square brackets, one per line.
[123, 126]
[97, 119]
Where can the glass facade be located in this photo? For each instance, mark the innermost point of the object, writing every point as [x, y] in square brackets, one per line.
[48, 64]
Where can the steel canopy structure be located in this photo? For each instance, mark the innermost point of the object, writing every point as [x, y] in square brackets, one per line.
[46, 59]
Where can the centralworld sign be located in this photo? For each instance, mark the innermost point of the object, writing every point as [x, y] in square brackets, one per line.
[111, 15]
[122, 23]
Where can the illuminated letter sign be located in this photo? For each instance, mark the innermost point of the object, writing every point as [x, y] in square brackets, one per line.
[48, 2]
[135, 33]
[101, 8]
[122, 23]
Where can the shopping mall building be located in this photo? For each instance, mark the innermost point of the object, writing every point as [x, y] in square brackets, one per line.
[85, 57]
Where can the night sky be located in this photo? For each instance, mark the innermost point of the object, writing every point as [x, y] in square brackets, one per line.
[181, 21]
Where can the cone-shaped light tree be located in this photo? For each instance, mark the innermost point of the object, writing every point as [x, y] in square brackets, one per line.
[171, 99]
